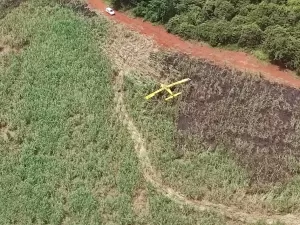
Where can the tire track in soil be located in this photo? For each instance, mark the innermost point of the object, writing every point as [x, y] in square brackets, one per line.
[152, 176]
[238, 60]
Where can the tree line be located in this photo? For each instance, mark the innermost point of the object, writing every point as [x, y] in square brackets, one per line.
[272, 26]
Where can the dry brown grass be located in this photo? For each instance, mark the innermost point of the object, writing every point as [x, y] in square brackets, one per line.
[140, 202]
[10, 44]
[257, 120]
[130, 51]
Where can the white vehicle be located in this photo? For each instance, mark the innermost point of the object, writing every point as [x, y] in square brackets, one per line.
[110, 11]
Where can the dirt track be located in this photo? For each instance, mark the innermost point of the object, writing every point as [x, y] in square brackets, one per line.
[238, 60]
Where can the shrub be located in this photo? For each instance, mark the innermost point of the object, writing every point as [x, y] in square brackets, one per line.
[293, 2]
[140, 9]
[224, 10]
[224, 33]
[263, 22]
[195, 15]
[187, 30]
[240, 3]
[209, 8]
[269, 14]
[240, 20]
[251, 35]
[160, 10]
[117, 4]
[295, 31]
[179, 25]
[277, 1]
[204, 30]
[294, 15]
[282, 47]
[244, 11]
[173, 24]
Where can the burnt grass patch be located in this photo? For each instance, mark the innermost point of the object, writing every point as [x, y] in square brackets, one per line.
[257, 121]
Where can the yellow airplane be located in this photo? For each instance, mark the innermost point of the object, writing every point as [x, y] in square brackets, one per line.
[167, 88]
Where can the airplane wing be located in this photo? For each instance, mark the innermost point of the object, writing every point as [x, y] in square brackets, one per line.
[154, 93]
[172, 96]
[167, 88]
[178, 82]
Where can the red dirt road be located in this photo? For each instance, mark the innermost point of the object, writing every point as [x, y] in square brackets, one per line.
[238, 60]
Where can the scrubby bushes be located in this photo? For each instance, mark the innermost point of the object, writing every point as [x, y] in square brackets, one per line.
[223, 33]
[224, 10]
[251, 35]
[272, 26]
[282, 47]
[156, 10]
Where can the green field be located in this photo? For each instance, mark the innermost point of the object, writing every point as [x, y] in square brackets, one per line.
[64, 156]
[61, 161]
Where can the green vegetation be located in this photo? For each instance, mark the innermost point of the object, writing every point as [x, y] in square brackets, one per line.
[269, 25]
[65, 158]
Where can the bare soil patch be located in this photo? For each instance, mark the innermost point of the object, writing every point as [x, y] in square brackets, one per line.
[256, 120]
[5, 132]
[10, 44]
[140, 202]
[5, 49]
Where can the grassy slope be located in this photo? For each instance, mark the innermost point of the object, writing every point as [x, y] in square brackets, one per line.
[64, 158]
[198, 174]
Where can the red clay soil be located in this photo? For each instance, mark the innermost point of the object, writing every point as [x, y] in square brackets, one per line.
[238, 60]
